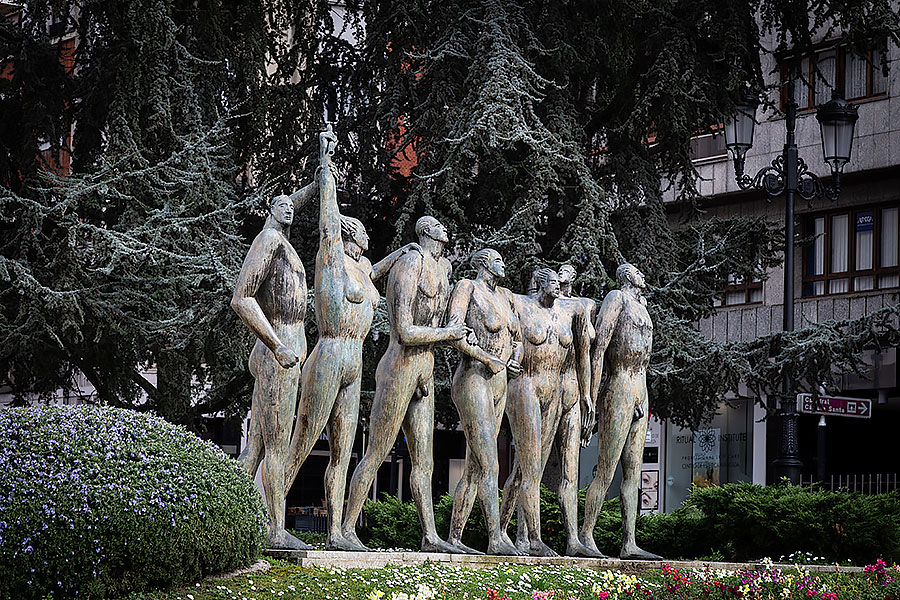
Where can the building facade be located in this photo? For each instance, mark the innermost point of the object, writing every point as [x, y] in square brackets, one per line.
[846, 267]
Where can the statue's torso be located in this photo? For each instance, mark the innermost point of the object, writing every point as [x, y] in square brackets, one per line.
[282, 294]
[547, 337]
[490, 315]
[632, 339]
[429, 287]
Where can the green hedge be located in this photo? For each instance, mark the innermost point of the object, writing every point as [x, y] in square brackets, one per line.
[731, 522]
[752, 521]
[97, 501]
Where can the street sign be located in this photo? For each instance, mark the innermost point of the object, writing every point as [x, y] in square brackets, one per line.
[835, 406]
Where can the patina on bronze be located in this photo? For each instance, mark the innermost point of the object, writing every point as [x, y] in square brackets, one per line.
[345, 300]
[417, 291]
[624, 340]
[479, 391]
[270, 297]
[552, 334]
[576, 411]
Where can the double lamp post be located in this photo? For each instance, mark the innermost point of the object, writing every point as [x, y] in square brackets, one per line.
[789, 175]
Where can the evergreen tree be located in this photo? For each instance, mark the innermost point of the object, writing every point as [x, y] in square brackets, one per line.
[549, 131]
[127, 262]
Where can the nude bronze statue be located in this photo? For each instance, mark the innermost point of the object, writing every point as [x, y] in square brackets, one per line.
[479, 391]
[552, 334]
[624, 340]
[270, 297]
[417, 291]
[576, 418]
[345, 300]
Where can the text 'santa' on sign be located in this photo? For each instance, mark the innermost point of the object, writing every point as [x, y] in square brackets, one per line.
[836, 406]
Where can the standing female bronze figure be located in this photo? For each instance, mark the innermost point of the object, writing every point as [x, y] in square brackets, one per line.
[552, 333]
[345, 300]
[479, 391]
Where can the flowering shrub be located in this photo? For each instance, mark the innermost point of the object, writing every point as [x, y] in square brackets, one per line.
[96, 501]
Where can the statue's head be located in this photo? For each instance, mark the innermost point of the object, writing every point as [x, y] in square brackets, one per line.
[428, 226]
[629, 275]
[489, 260]
[567, 276]
[352, 230]
[548, 282]
[282, 209]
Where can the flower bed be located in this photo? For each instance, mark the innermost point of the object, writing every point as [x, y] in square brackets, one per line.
[512, 582]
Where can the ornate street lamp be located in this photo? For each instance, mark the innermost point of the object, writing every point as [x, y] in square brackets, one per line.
[789, 175]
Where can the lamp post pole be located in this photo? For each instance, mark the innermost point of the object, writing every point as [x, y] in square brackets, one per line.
[789, 175]
[788, 464]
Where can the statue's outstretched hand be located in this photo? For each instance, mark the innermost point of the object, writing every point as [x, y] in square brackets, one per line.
[412, 246]
[327, 143]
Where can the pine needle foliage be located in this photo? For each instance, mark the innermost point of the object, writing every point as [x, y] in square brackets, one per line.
[550, 130]
[547, 130]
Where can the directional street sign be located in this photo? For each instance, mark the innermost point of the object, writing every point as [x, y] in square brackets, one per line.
[859, 408]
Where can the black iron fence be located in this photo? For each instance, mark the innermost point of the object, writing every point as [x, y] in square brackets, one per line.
[866, 483]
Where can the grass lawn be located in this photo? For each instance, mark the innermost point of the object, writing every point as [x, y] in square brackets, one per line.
[441, 581]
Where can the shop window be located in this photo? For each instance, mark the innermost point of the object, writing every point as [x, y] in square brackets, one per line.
[852, 251]
[856, 76]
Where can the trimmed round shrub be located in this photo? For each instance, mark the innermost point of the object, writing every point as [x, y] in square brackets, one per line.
[98, 501]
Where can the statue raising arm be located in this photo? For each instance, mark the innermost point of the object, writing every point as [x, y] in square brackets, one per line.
[331, 272]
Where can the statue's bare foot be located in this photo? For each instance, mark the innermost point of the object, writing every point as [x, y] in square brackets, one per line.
[436, 544]
[283, 540]
[539, 548]
[523, 545]
[632, 552]
[355, 545]
[576, 548]
[462, 547]
[339, 542]
[588, 542]
[501, 548]
[350, 536]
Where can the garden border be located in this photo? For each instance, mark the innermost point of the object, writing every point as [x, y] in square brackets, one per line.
[370, 560]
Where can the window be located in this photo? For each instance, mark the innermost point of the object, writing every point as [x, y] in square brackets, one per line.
[856, 76]
[853, 251]
[708, 146]
[740, 292]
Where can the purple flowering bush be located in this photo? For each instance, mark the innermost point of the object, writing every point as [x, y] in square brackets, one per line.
[98, 501]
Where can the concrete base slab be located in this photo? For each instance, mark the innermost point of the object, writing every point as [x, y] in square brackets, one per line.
[373, 560]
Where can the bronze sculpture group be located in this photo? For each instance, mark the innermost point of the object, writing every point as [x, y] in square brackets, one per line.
[537, 358]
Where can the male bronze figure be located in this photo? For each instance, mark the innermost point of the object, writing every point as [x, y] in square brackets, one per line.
[625, 337]
[479, 391]
[270, 297]
[418, 288]
[552, 333]
[345, 300]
